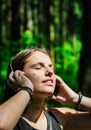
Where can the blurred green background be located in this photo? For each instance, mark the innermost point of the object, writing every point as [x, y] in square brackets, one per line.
[63, 27]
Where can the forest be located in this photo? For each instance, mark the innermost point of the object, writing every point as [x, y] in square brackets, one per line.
[61, 26]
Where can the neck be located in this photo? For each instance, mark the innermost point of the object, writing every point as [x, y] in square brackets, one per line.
[35, 109]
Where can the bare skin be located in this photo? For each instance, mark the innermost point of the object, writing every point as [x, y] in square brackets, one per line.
[38, 74]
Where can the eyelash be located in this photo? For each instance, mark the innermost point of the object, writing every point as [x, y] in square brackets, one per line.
[38, 67]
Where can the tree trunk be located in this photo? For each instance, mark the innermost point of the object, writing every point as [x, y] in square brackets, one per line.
[85, 61]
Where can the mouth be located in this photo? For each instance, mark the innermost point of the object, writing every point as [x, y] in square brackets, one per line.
[48, 82]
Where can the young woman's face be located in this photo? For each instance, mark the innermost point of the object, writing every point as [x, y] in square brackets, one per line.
[39, 69]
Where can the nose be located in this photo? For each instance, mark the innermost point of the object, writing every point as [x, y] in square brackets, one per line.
[49, 71]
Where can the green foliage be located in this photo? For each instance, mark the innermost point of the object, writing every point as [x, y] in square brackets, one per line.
[5, 57]
[68, 62]
[27, 40]
[77, 9]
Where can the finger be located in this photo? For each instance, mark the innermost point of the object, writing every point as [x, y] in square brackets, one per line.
[11, 77]
[59, 99]
[59, 80]
[18, 75]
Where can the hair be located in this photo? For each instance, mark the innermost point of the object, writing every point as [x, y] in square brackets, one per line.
[18, 63]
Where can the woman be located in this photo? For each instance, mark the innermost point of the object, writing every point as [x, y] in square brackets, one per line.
[31, 80]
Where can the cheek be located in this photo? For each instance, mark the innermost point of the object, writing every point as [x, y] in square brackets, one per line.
[35, 78]
[54, 81]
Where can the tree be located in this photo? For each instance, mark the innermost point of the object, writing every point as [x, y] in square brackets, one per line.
[85, 60]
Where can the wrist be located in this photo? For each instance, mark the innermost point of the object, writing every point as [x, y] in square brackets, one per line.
[77, 101]
[28, 90]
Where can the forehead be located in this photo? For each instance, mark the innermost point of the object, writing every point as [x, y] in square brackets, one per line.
[38, 56]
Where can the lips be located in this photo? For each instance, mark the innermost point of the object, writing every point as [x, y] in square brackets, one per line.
[48, 82]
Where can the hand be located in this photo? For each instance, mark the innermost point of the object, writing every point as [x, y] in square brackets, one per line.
[65, 94]
[18, 79]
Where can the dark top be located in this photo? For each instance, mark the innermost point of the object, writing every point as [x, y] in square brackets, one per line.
[51, 121]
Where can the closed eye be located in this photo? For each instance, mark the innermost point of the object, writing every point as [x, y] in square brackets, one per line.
[40, 65]
[37, 66]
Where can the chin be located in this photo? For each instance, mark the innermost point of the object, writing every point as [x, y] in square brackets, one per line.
[50, 93]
